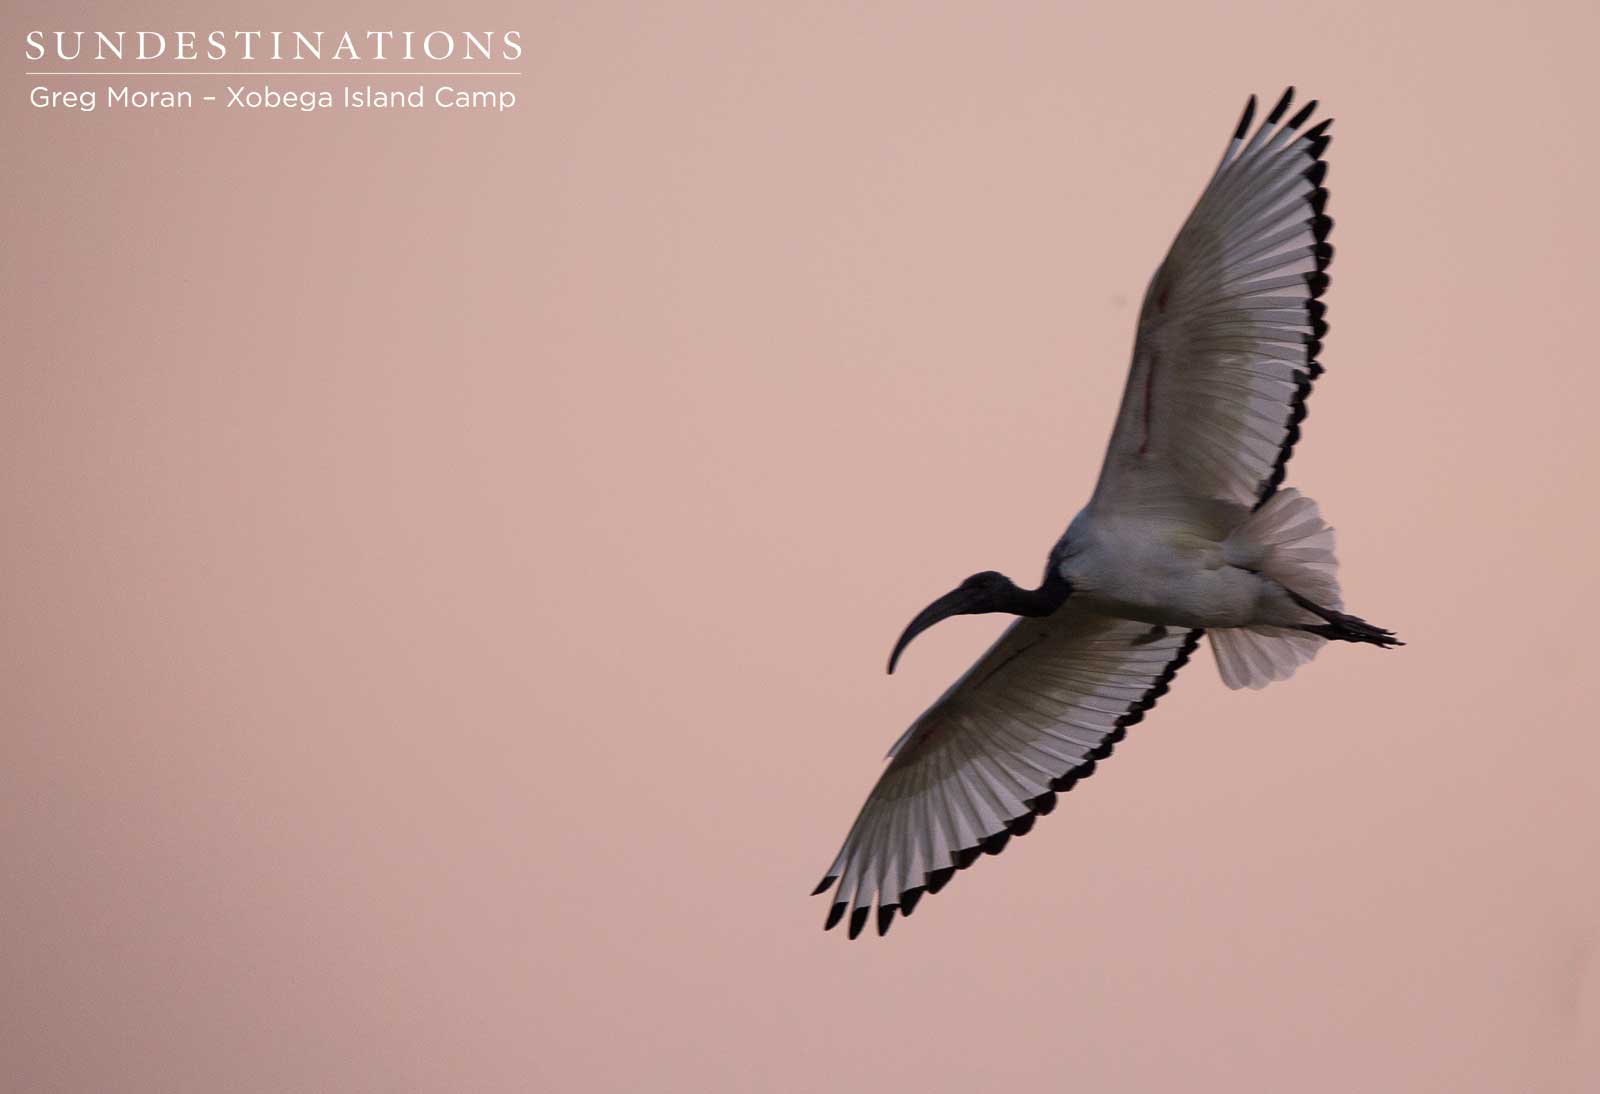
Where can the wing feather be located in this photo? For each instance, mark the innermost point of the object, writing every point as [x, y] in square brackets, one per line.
[1230, 329]
[1031, 717]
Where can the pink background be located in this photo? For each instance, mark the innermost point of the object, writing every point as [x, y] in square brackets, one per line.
[449, 561]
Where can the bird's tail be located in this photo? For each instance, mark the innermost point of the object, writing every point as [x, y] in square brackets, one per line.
[1288, 541]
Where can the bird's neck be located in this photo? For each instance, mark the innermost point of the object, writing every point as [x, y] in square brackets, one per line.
[1044, 600]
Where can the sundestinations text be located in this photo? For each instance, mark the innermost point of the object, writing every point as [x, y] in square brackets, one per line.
[271, 45]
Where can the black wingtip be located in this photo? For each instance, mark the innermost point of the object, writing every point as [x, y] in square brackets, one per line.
[858, 919]
[835, 914]
[1317, 283]
[1044, 804]
[1245, 119]
[1021, 826]
[909, 899]
[1283, 104]
[1317, 172]
[1302, 114]
[967, 856]
[1321, 225]
[885, 918]
[825, 884]
[1316, 131]
[1323, 252]
[993, 845]
[938, 879]
[1115, 737]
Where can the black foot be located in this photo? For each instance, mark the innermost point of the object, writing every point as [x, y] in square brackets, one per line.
[1154, 634]
[1344, 628]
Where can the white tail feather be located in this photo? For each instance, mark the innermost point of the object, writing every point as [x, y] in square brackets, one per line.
[1288, 541]
[1253, 657]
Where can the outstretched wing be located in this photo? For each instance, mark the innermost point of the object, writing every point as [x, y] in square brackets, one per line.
[1230, 329]
[1047, 701]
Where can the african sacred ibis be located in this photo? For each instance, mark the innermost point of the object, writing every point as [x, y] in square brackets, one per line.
[1187, 533]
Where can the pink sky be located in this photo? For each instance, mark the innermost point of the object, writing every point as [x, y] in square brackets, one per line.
[450, 560]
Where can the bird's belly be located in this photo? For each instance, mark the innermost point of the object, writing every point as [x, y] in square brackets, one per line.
[1182, 586]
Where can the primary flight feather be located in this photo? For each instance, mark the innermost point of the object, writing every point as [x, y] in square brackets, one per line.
[1188, 533]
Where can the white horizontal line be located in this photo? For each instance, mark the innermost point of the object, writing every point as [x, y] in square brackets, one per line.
[121, 75]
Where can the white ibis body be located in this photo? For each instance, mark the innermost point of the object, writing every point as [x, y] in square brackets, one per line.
[1188, 533]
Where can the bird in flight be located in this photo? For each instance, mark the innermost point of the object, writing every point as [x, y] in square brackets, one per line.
[1188, 533]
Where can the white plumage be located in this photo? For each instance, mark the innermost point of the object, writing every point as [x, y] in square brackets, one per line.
[1187, 533]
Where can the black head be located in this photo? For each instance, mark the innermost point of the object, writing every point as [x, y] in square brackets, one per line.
[984, 593]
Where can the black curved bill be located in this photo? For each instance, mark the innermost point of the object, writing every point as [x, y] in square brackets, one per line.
[958, 601]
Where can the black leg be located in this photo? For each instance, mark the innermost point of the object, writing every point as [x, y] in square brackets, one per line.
[1341, 627]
